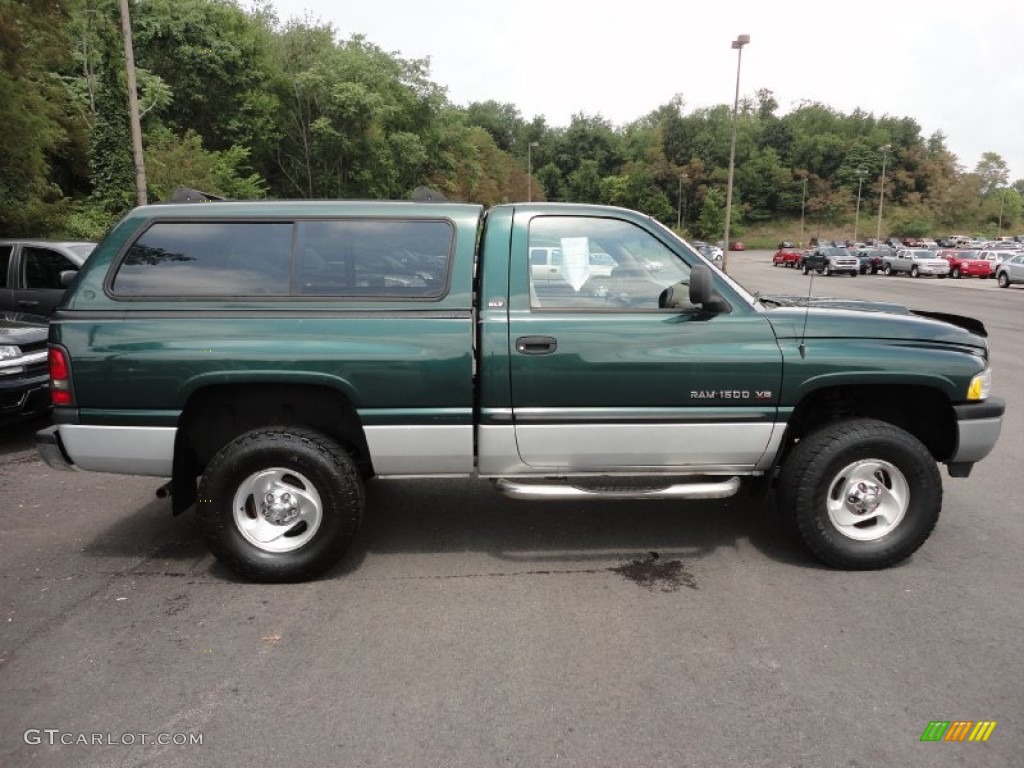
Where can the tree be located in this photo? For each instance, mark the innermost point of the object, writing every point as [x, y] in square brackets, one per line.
[173, 162]
[502, 121]
[993, 171]
[33, 42]
[216, 58]
[711, 220]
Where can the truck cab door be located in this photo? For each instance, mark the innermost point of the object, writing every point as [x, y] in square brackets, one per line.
[605, 377]
[40, 290]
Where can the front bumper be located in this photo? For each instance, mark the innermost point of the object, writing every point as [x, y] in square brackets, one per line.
[978, 427]
[925, 269]
[23, 398]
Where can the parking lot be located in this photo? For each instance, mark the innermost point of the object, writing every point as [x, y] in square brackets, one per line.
[465, 629]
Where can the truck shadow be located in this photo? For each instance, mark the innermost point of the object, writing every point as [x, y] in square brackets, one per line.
[450, 516]
[432, 516]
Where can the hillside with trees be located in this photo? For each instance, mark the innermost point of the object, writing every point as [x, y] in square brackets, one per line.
[239, 104]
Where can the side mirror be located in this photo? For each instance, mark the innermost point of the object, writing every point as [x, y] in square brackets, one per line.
[702, 290]
[67, 277]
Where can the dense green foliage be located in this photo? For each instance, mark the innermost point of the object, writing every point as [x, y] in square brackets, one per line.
[238, 104]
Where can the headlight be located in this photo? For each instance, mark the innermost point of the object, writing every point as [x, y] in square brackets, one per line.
[981, 385]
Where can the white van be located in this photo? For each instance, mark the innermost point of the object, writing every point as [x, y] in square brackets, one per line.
[546, 264]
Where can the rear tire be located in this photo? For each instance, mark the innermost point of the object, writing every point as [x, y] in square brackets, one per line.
[888, 269]
[860, 493]
[280, 504]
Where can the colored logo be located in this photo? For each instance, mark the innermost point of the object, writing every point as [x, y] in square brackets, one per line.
[958, 730]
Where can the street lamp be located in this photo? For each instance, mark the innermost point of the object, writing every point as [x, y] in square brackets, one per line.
[1002, 202]
[679, 201]
[529, 170]
[803, 202]
[737, 44]
[881, 193]
[856, 218]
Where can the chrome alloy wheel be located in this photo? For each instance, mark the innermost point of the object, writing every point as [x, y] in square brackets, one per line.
[867, 499]
[277, 510]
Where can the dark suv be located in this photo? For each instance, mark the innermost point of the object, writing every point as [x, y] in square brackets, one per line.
[831, 260]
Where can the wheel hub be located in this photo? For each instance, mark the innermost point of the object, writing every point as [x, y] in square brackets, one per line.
[863, 497]
[279, 507]
[868, 499]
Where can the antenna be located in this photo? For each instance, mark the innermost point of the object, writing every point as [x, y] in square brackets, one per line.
[807, 308]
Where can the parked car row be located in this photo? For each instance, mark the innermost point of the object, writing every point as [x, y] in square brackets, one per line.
[1006, 266]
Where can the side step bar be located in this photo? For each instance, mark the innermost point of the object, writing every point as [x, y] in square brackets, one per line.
[564, 490]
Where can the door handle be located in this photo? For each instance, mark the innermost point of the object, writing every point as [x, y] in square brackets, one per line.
[26, 303]
[536, 345]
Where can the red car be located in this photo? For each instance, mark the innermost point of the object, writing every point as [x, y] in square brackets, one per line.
[966, 264]
[786, 256]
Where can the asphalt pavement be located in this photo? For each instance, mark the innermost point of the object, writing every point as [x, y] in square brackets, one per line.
[465, 629]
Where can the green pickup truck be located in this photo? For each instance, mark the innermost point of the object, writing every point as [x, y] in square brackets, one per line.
[272, 357]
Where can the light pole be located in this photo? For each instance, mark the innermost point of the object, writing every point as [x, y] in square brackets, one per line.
[856, 218]
[138, 158]
[881, 194]
[529, 170]
[803, 202]
[1002, 202]
[679, 202]
[737, 44]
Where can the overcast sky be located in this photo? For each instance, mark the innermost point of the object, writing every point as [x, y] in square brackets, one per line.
[954, 67]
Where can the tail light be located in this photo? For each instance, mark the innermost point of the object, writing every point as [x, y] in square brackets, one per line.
[60, 377]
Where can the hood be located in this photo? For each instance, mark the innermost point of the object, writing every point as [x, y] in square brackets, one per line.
[22, 329]
[850, 318]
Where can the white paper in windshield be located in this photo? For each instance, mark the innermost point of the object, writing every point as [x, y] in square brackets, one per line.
[575, 261]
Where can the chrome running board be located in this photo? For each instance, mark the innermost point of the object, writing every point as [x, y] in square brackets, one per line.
[606, 488]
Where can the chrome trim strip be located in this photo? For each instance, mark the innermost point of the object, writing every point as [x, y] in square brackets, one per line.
[421, 450]
[708, 490]
[121, 450]
[24, 360]
[976, 439]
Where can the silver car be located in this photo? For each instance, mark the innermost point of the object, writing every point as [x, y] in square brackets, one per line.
[1011, 271]
[915, 262]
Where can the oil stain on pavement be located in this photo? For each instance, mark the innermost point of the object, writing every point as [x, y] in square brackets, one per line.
[651, 572]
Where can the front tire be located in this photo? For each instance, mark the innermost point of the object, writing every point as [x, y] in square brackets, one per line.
[280, 504]
[956, 273]
[861, 493]
[914, 272]
[888, 269]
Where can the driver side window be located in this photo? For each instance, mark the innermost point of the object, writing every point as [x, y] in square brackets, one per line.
[588, 263]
